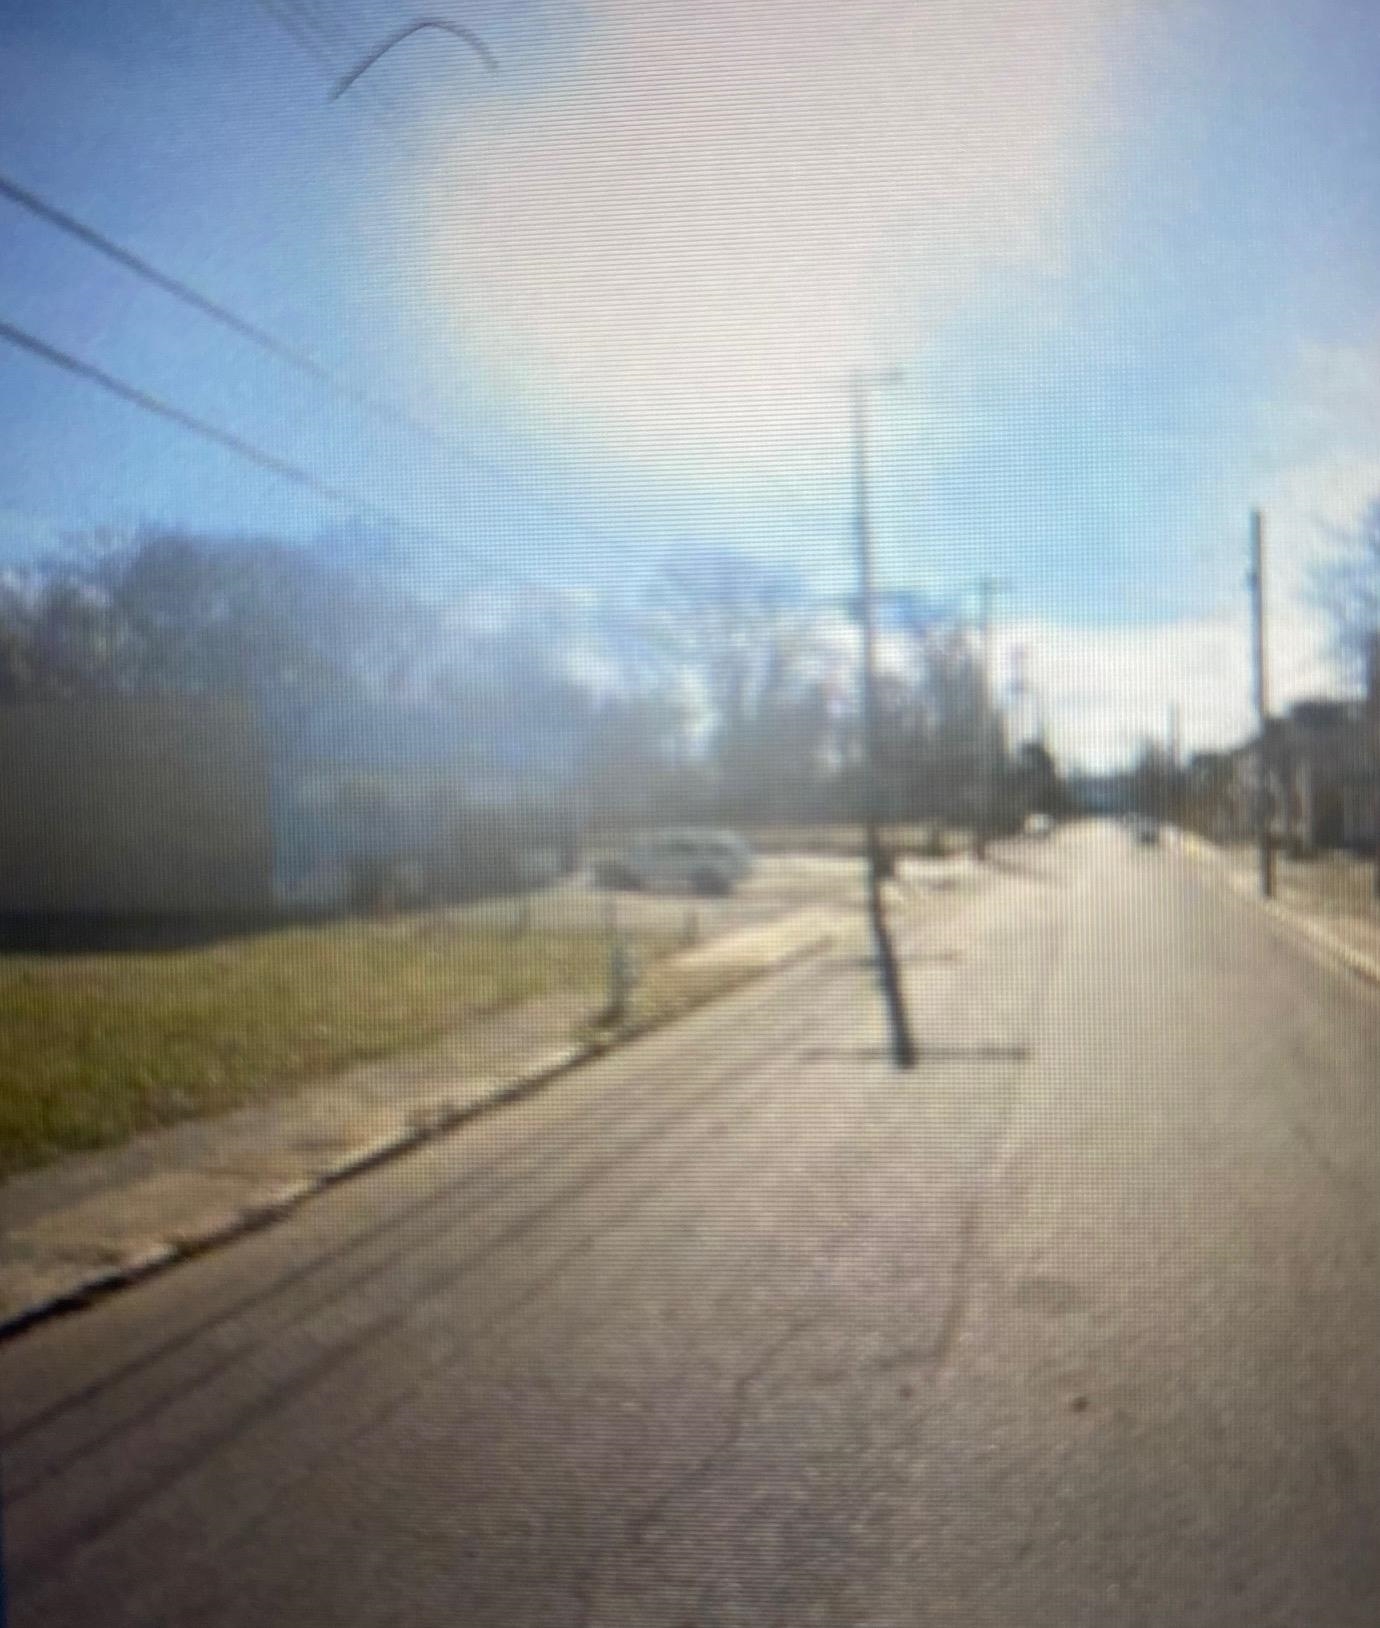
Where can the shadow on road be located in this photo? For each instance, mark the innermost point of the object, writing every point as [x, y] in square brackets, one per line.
[909, 958]
[979, 1053]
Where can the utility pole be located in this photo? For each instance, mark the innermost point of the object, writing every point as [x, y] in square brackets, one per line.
[903, 1048]
[1256, 581]
[1018, 688]
[1372, 717]
[987, 587]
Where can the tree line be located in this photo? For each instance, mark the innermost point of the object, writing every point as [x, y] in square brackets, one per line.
[715, 685]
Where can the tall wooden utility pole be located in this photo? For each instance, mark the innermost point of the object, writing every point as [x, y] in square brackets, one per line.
[1256, 581]
[1372, 726]
[1018, 688]
[987, 587]
[903, 1048]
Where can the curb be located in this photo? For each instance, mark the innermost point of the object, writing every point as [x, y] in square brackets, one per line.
[1355, 961]
[88, 1284]
[421, 1123]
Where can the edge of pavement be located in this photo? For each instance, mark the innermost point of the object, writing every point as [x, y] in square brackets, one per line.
[1356, 961]
[77, 1254]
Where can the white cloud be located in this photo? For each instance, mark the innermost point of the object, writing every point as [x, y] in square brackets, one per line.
[1105, 690]
[725, 206]
[1325, 473]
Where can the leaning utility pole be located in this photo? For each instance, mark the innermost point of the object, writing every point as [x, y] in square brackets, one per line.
[1256, 580]
[1018, 689]
[903, 1049]
[987, 744]
[1372, 718]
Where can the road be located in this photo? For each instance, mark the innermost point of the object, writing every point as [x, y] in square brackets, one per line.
[1076, 1325]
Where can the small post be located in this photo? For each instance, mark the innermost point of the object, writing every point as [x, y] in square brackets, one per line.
[623, 974]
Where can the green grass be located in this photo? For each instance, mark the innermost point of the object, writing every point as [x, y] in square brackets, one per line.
[665, 993]
[96, 1048]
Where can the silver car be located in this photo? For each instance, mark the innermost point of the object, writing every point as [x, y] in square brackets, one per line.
[703, 862]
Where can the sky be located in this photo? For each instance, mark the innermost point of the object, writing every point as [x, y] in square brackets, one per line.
[1122, 255]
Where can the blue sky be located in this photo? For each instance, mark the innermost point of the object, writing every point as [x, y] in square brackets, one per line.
[1126, 255]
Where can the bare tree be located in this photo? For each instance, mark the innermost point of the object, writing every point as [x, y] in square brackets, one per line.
[745, 639]
[1346, 588]
[936, 719]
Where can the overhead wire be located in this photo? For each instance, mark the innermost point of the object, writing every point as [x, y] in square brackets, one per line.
[243, 448]
[294, 356]
[284, 468]
[300, 360]
[54, 216]
[457, 30]
[310, 34]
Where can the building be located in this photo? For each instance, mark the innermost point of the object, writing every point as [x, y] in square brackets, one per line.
[1325, 776]
[1322, 773]
[172, 817]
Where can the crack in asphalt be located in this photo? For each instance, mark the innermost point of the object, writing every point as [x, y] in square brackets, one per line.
[737, 1407]
[586, 1584]
[993, 1168]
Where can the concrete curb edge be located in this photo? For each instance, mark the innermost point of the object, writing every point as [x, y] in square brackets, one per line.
[1294, 921]
[418, 1127]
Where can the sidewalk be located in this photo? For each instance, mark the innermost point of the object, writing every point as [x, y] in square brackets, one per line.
[95, 1221]
[1327, 900]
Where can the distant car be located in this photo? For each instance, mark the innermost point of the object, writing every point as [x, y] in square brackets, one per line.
[1145, 829]
[704, 862]
[1039, 825]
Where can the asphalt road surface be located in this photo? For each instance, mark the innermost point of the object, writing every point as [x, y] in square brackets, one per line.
[1078, 1324]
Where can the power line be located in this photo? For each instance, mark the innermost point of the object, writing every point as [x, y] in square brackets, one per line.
[466, 35]
[293, 356]
[311, 34]
[237, 444]
[326, 22]
[284, 468]
[150, 273]
[285, 352]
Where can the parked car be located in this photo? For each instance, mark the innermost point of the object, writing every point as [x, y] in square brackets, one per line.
[1039, 825]
[1145, 828]
[704, 862]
